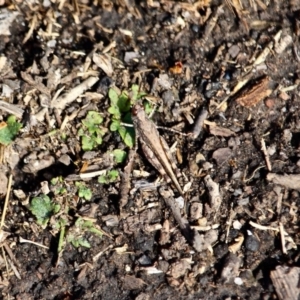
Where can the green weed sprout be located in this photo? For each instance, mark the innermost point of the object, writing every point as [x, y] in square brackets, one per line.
[9, 131]
[109, 177]
[82, 226]
[91, 133]
[120, 105]
[83, 191]
[43, 208]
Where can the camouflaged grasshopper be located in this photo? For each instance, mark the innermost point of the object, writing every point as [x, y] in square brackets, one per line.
[154, 146]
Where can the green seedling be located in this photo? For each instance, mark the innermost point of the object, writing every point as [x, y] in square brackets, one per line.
[91, 133]
[9, 130]
[83, 191]
[58, 185]
[43, 208]
[109, 177]
[120, 105]
[82, 226]
[87, 225]
[62, 225]
[119, 155]
[78, 241]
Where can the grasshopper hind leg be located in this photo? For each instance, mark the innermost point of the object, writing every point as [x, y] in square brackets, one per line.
[170, 156]
[154, 162]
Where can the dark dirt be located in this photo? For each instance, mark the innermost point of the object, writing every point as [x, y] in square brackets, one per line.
[240, 61]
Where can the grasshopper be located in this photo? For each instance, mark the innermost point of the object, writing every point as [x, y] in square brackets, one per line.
[154, 146]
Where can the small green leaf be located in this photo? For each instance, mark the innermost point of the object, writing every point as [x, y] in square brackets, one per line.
[84, 243]
[43, 208]
[63, 136]
[93, 118]
[83, 191]
[115, 125]
[87, 143]
[113, 96]
[134, 92]
[54, 180]
[87, 225]
[98, 140]
[102, 179]
[119, 155]
[115, 111]
[129, 139]
[13, 125]
[60, 191]
[124, 102]
[112, 175]
[8, 133]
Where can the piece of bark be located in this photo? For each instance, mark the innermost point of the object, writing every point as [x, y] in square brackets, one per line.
[253, 95]
[286, 282]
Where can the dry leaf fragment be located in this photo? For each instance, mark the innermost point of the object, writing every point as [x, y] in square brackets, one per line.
[103, 61]
[220, 131]
[35, 83]
[255, 94]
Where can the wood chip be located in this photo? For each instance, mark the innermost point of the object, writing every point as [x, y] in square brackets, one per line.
[255, 94]
[286, 282]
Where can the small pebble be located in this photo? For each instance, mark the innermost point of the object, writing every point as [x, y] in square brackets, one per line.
[252, 243]
[144, 260]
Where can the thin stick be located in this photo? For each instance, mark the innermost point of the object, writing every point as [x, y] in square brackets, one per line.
[279, 203]
[6, 201]
[21, 240]
[266, 154]
[284, 251]
[4, 257]
[246, 180]
[95, 258]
